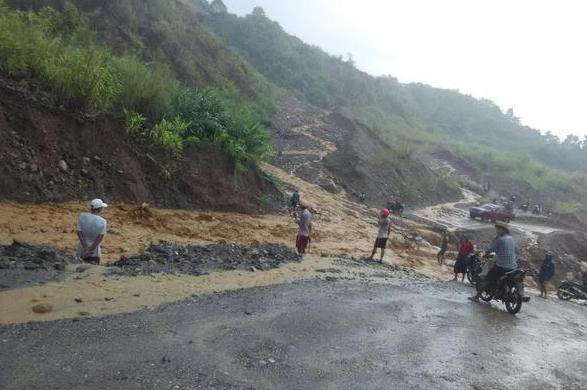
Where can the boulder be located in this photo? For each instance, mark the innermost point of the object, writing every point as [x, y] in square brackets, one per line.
[63, 167]
[43, 308]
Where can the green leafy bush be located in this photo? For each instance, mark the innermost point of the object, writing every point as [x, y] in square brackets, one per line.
[168, 135]
[212, 118]
[134, 123]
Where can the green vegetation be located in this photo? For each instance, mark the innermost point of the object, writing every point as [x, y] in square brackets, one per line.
[413, 119]
[203, 116]
[35, 50]
[177, 74]
[55, 55]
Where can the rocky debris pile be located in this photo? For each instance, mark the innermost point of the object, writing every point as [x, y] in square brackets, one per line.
[387, 271]
[165, 257]
[21, 254]
[22, 264]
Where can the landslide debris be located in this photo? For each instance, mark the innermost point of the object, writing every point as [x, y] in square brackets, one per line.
[165, 257]
[23, 264]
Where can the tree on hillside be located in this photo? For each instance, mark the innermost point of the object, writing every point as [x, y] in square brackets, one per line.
[511, 116]
[218, 7]
[572, 142]
[551, 138]
[259, 11]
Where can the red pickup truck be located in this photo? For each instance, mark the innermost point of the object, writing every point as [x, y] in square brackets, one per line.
[491, 212]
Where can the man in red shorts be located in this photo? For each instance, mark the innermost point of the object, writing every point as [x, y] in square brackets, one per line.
[304, 230]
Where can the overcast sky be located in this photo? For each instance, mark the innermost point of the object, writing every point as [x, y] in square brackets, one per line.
[527, 54]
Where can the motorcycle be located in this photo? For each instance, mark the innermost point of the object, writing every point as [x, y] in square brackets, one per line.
[569, 290]
[507, 290]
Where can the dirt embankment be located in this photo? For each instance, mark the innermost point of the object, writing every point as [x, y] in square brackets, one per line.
[50, 155]
[569, 250]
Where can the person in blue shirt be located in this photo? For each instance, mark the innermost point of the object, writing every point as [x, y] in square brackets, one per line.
[506, 260]
[545, 274]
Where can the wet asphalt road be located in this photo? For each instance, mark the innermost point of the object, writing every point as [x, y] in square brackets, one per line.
[308, 335]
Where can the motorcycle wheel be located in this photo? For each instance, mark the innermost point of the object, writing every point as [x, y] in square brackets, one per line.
[513, 301]
[471, 279]
[486, 297]
[563, 294]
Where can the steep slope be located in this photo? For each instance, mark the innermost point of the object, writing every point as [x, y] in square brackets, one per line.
[50, 155]
[170, 34]
[98, 83]
[339, 154]
[416, 117]
[391, 131]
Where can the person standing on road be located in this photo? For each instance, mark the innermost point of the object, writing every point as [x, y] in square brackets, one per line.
[504, 248]
[384, 224]
[91, 229]
[304, 229]
[443, 248]
[466, 248]
[545, 274]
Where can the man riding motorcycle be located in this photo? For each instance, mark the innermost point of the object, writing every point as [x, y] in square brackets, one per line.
[504, 248]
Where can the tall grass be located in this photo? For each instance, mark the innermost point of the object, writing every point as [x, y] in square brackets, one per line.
[77, 77]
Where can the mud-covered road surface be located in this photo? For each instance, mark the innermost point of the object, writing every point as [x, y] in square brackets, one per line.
[318, 334]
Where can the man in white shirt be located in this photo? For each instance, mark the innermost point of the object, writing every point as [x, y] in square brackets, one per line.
[91, 229]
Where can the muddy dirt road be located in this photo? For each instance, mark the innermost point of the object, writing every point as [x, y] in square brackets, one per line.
[320, 334]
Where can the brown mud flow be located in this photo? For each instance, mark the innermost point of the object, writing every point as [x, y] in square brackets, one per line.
[342, 229]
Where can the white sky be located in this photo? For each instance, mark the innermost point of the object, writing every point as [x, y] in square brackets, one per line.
[527, 54]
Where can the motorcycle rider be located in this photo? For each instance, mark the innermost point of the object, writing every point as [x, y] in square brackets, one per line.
[504, 248]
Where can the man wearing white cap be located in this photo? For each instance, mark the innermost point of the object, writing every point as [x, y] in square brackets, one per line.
[91, 229]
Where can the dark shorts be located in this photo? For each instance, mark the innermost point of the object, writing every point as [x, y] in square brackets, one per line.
[543, 279]
[441, 252]
[381, 243]
[91, 260]
[460, 265]
[302, 243]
